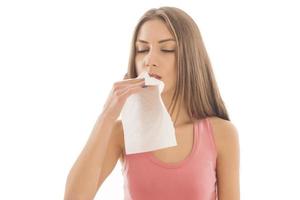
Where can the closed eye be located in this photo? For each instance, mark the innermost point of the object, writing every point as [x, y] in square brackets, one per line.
[163, 50]
[142, 51]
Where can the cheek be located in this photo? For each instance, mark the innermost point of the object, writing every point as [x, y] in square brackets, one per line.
[138, 65]
[172, 77]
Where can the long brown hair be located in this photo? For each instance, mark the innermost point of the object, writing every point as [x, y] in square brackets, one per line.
[195, 78]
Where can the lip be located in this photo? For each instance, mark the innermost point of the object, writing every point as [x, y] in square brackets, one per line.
[155, 76]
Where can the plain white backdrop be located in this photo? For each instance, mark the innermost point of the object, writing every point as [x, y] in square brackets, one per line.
[59, 59]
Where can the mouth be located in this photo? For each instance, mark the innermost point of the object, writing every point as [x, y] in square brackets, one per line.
[155, 76]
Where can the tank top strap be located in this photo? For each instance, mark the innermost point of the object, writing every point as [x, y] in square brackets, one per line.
[206, 147]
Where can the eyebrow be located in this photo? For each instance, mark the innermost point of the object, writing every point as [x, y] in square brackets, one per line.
[161, 41]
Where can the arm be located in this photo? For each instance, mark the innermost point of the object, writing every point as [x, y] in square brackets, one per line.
[104, 146]
[228, 159]
[95, 162]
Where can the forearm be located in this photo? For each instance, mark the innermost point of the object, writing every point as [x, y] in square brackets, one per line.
[83, 176]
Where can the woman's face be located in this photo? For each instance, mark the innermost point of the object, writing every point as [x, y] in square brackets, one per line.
[155, 52]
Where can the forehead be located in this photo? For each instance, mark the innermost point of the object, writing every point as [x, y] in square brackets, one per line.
[154, 30]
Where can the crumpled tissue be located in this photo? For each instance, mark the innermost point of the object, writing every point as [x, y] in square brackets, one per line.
[147, 125]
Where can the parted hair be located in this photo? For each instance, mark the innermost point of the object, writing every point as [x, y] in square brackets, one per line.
[196, 86]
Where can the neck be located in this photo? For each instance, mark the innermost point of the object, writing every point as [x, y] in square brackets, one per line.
[183, 117]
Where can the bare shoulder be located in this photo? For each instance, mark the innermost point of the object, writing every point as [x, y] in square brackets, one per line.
[225, 133]
[116, 139]
[228, 158]
[118, 128]
[118, 134]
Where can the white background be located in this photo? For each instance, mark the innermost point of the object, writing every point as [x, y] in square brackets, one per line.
[59, 59]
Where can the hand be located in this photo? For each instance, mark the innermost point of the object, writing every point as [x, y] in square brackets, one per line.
[120, 91]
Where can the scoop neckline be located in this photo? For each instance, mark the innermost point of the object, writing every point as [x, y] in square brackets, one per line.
[157, 161]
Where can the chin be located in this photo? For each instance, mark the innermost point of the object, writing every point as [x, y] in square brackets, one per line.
[167, 90]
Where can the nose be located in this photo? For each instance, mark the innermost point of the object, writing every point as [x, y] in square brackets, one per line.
[151, 59]
[151, 68]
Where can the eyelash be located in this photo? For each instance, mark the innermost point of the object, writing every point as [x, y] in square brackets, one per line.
[165, 51]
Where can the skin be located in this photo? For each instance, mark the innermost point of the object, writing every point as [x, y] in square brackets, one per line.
[154, 60]
[105, 145]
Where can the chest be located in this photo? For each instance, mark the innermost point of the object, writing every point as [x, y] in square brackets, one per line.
[185, 140]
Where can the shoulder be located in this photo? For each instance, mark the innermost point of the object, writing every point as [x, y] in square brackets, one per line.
[119, 136]
[225, 134]
[118, 132]
[116, 137]
[118, 128]
[228, 158]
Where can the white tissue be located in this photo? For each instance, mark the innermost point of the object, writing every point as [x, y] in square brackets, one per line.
[147, 124]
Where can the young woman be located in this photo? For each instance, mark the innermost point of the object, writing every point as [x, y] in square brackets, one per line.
[205, 163]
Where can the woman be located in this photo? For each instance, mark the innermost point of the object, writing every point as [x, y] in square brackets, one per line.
[205, 163]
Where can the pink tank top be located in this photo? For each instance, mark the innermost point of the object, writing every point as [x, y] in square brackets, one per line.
[194, 178]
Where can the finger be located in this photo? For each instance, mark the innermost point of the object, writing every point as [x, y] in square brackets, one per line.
[130, 81]
[126, 77]
[125, 86]
[131, 90]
